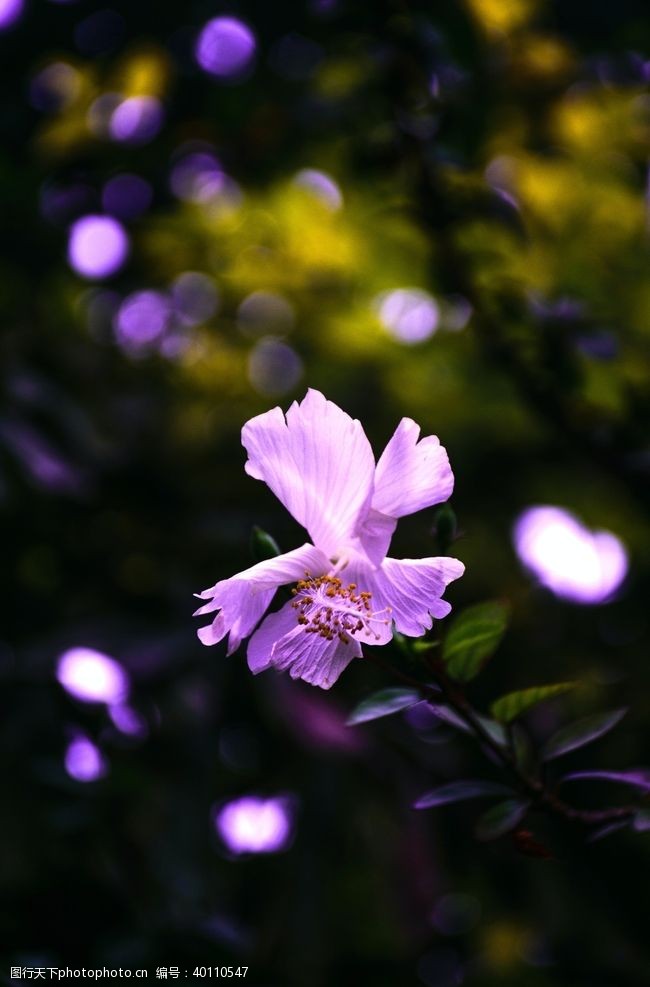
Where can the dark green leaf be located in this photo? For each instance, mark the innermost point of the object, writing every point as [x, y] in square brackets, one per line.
[459, 791]
[474, 636]
[523, 749]
[581, 732]
[383, 703]
[263, 545]
[452, 718]
[512, 705]
[501, 819]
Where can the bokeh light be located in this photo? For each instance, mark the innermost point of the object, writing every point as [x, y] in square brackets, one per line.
[197, 176]
[100, 113]
[10, 11]
[127, 196]
[573, 562]
[84, 761]
[322, 186]
[141, 319]
[274, 367]
[98, 246]
[128, 721]
[136, 120]
[55, 87]
[264, 312]
[225, 47]
[409, 314]
[92, 676]
[256, 825]
[194, 297]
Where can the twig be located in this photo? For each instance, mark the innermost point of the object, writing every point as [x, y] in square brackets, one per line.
[540, 796]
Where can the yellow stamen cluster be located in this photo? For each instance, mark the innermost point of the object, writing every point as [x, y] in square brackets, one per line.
[327, 607]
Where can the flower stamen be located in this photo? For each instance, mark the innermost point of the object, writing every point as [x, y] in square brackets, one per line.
[329, 608]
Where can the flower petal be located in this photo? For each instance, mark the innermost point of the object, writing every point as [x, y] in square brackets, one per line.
[282, 643]
[411, 474]
[318, 462]
[244, 598]
[412, 588]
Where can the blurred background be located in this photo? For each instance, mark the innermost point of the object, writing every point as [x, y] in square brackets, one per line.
[437, 210]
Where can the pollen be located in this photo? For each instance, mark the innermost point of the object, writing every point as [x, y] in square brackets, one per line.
[326, 606]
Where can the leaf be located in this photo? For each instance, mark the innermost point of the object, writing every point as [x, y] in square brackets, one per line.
[263, 545]
[512, 705]
[383, 703]
[452, 719]
[607, 830]
[422, 647]
[637, 778]
[523, 749]
[459, 791]
[473, 637]
[641, 821]
[580, 733]
[501, 819]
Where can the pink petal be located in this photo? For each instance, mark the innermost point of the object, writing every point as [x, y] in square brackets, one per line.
[243, 599]
[283, 644]
[375, 535]
[318, 462]
[412, 588]
[411, 475]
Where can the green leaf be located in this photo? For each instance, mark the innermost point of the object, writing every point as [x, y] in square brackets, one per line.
[512, 705]
[452, 719]
[582, 732]
[459, 791]
[522, 748]
[263, 545]
[383, 703]
[501, 819]
[422, 647]
[474, 636]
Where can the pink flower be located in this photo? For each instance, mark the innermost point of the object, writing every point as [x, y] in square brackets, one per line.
[347, 592]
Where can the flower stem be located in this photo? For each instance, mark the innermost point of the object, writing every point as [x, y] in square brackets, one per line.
[539, 794]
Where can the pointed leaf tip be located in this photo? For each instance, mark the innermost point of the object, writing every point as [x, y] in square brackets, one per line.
[636, 777]
[501, 819]
[580, 733]
[459, 791]
[263, 545]
[383, 703]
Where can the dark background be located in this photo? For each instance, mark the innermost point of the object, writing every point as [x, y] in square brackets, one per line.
[491, 153]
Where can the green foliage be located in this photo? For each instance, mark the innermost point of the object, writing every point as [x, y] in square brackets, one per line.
[473, 637]
[514, 704]
[580, 733]
[459, 791]
[383, 703]
[263, 545]
[501, 819]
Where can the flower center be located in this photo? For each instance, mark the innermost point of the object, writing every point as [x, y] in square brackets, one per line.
[326, 607]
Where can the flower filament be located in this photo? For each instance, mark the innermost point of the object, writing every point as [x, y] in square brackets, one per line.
[327, 607]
